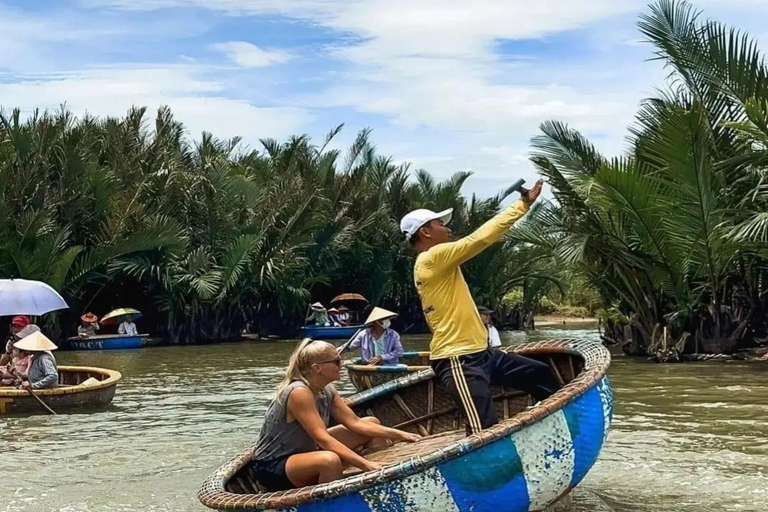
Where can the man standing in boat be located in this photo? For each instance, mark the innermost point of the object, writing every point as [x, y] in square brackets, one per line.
[459, 352]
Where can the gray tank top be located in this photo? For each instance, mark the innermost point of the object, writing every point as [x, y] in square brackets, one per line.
[278, 438]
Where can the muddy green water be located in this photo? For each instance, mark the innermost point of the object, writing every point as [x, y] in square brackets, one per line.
[688, 437]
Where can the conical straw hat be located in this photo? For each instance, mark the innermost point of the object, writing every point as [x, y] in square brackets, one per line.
[35, 342]
[317, 305]
[379, 314]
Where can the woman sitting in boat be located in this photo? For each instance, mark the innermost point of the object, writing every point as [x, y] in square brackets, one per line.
[127, 327]
[378, 343]
[89, 325]
[319, 315]
[17, 324]
[43, 372]
[296, 447]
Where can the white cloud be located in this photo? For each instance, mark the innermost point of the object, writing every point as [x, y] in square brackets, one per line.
[196, 100]
[249, 55]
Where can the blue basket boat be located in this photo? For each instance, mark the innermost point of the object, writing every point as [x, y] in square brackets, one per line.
[329, 333]
[528, 461]
[108, 342]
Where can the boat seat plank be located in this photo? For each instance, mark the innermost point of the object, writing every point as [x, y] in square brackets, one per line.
[403, 451]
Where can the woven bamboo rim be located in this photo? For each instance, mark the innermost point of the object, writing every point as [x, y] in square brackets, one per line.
[596, 358]
[112, 379]
[97, 337]
[392, 369]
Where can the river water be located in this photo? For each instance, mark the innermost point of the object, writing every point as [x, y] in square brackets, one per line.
[690, 437]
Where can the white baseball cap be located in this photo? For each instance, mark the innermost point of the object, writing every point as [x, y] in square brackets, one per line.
[411, 223]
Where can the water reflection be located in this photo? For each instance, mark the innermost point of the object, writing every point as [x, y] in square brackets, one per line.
[686, 438]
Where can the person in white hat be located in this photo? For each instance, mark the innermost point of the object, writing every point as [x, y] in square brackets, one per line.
[378, 343]
[460, 356]
[43, 372]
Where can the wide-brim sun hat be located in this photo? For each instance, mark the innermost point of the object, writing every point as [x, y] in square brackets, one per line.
[89, 318]
[416, 219]
[379, 314]
[35, 342]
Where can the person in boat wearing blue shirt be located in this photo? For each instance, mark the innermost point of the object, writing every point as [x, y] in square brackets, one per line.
[378, 343]
[127, 327]
[43, 373]
[319, 315]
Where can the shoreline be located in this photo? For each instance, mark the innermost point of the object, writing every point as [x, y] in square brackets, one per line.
[556, 320]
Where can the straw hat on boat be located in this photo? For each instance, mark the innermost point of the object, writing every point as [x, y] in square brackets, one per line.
[317, 305]
[89, 318]
[379, 314]
[343, 309]
[35, 342]
[333, 310]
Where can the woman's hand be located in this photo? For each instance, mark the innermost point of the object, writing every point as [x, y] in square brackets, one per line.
[26, 385]
[374, 361]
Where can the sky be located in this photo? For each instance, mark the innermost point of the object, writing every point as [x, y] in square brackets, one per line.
[446, 85]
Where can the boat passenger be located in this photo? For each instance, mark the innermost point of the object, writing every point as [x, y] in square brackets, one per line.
[16, 370]
[319, 315]
[333, 313]
[460, 357]
[17, 324]
[43, 372]
[343, 316]
[494, 340]
[296, 447]
[127, 327]
[89, 325]
[378, 342]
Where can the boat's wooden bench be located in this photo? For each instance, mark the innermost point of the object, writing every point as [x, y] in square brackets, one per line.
[403, 451]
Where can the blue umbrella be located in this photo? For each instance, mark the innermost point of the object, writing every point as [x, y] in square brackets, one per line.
[23, 297]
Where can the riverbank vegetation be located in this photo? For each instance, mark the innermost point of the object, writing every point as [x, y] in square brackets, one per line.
[208, 237]
[673, 234]
[668, 242]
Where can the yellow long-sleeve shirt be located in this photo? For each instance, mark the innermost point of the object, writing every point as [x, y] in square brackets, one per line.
[448, 306]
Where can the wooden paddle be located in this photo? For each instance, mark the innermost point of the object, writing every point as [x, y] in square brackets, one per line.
[40, 401]
[346, 345]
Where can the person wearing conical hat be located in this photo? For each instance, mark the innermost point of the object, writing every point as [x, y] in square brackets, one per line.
[378, 343]
[343, 316]
[319, 315]
[89, 325]
[43, 372]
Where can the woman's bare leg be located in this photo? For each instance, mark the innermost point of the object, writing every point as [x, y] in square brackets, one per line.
[354, 440]
[313, 468]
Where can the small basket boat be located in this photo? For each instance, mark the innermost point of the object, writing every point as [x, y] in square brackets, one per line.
[329, 333]
[73, 391]
[365, 376]
[534, 456]
[107, 342]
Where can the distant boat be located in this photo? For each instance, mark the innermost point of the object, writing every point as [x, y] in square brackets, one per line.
[365, 376]
[329, 333]
[527, 462]
[107, 342]
[73, 392]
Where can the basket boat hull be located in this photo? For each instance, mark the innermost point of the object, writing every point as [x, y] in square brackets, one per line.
[69, 396]
[527, 462]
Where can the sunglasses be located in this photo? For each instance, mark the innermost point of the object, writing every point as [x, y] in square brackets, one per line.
[336, 361]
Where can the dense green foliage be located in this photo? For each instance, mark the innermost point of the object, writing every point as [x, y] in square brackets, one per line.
[206, 237]
[673, 234]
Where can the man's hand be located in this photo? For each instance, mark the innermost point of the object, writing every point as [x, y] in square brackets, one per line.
[26, 385]
[530, 196]
[374, 361]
